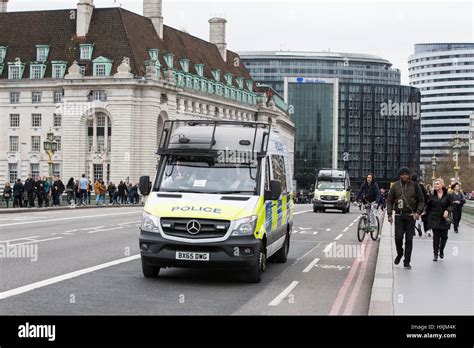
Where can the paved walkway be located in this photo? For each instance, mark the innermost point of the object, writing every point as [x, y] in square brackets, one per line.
[445, 287]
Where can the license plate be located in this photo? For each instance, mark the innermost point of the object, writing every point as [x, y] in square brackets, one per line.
[329, 205]
[190, 256]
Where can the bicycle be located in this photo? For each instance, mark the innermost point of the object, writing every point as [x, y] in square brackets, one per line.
[365, 226]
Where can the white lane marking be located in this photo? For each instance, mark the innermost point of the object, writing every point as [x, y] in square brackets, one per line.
[14, 240]
[328, 247]
[280, 297]
[328, 229]
[71, 231]
[351, 224]
[300, 212]
[50, 281]
[294, 232]
[66, 234]
[311, 265]
[91, 228]
[338, 237]
[107, 229]
[38, 241]
[345, 230]
[304, 228]
[69, 218]
[315, 233]
[356, 220]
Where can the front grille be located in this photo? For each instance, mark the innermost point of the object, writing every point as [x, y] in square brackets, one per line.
[176, 227]
[329, 198]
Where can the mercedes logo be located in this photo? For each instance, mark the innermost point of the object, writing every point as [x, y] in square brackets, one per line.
[193, 227]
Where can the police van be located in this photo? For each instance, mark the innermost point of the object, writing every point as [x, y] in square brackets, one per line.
[221, 199]
[332, 191]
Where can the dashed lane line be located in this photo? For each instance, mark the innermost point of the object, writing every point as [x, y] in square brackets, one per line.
[311, 265]
[283, 294]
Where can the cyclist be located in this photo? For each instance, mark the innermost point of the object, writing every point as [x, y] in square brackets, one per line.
[369, 193]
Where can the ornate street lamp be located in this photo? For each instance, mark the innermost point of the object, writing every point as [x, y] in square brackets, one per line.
[50, 146]
[433, 167]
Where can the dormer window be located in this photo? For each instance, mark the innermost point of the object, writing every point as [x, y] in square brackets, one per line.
[102, 67]
[86, 51]
[59, 69]
[240, 82]
[153, 52]
[184, 64]
[228, 79]
[217, 75]
[42, 52]
[37, 71]
[3, 54]
[15, 70]
[199, 69]
[169, 60]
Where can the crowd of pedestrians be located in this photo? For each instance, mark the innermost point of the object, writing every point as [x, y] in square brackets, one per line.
[40, 192]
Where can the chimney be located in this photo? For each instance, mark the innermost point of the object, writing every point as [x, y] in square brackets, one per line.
[3, 5]
[217, 35]
[153, 9]
[84, 15]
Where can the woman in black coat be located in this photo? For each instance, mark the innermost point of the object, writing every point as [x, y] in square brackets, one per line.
[439, 206]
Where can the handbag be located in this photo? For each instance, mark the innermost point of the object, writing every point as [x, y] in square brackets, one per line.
[449, 220]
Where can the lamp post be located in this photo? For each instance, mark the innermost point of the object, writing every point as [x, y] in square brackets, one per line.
[456, 147]
[433, 167]
[50, 146]
[423, 172]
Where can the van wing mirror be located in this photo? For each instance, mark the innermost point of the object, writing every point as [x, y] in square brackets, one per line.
[144, 185]
[275, 191]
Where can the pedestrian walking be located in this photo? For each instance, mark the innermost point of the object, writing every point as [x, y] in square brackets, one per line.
[381, 202]
[111, 189]
[419, 222]
[47, 191]
[29, 188]
[102, 191]
[77, 192]
[18, 194]
[39, 185]
[7, 193]
[406, 199]
[439, 209]
[121, 192]
[70, 191]
[57, 191]
[459, 201]
[89, 191]
[83, 187]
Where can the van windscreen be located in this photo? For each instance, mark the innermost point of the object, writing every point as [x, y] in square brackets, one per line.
[205, 175]
[331, 185]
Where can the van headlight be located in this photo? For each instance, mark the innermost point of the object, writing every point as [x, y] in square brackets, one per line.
[245, 226]
[317, 197]
[341, 198]
[150, 223]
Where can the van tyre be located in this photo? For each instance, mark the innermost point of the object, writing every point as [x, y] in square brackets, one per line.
[281, 256]
[254, 275]
[150, 271]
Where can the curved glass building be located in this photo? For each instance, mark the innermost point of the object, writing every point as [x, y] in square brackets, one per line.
[444, 73]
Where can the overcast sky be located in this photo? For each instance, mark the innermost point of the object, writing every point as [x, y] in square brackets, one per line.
[388, 29]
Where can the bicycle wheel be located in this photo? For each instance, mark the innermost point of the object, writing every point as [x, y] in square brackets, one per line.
[374, 233]
[361, 229]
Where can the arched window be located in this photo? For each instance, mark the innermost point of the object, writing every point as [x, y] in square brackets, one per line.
[99, 133]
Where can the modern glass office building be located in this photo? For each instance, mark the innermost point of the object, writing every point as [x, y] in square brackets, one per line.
[359, 127]
[444, 73]
[271, 67]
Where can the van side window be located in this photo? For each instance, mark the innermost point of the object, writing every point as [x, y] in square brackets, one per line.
[279, 172]
[267, 174]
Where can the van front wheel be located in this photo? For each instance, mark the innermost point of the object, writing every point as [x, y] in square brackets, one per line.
[254, 275]
[150, 271]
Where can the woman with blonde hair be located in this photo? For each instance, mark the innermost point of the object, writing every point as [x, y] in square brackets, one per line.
[7, 193]
[439, 208]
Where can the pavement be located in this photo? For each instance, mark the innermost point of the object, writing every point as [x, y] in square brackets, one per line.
[87, 262]
[445, 287]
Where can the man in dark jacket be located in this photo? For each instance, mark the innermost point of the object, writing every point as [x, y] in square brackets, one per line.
[406, 199]
[17, 194]
[40, 190]
[29, 188]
